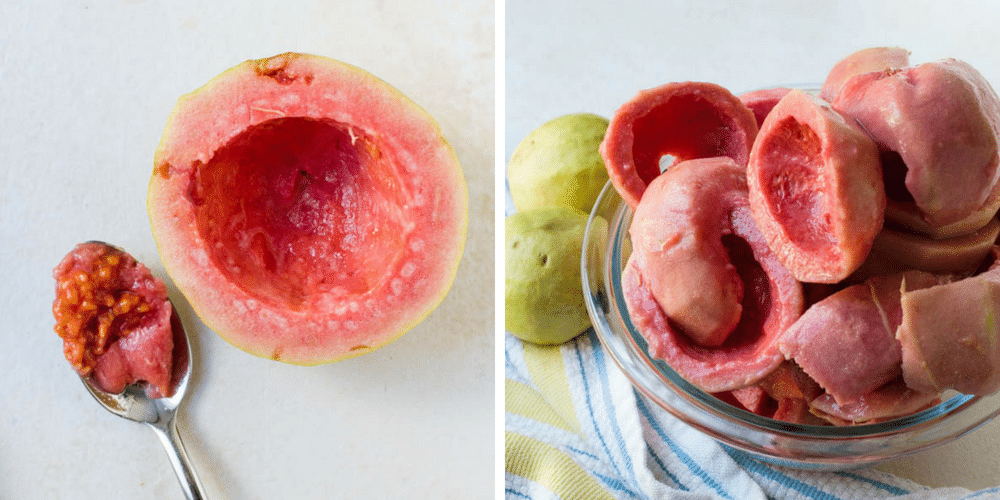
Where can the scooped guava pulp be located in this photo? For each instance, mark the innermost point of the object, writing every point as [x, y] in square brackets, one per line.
[116, 321]
[309, 211]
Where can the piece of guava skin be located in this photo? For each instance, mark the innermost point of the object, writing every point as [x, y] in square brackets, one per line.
[949, 336]
[895, 251]
[847, 341]
[676, 242]
[868, 60]
[694, 244]
[816, 189]
[762, 101]
[888, 401]
[943, 120]
[713, 370]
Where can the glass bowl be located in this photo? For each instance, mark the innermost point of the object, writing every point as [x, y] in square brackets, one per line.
[773, 441]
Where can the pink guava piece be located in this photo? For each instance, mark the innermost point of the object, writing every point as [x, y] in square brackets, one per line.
[117, 324]
[937, 126]
[847, 342]
[683, 120]
[949, 335]
[753, 399]
[677, 239]
[895, 251]
[762, 101]
[892, 400]
[797, 411]
[788, 380]
[696, 245]
[868, 60]
[816, 189]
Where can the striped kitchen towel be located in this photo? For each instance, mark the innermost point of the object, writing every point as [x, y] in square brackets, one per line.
[575, 428]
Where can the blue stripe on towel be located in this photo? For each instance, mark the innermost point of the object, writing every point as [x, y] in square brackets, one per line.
[681, 454]
[602, 371]
[590, 410]
[516, 493]
[756, 467]
[980, 493]
[895, 490]
[615, 484]
[663, 468]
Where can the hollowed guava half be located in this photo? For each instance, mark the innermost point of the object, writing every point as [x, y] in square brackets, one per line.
[307, 210]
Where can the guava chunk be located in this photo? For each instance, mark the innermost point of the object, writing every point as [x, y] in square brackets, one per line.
[889, 401]
[847, 341]
[293, 206]
[868, 60]
[762, 101]
[895, 251]
[815, 189]
[682, 120]
[677, 238]
[115, 320]
[937, 125]
[701, 284]
[784, 395]
[949, 336]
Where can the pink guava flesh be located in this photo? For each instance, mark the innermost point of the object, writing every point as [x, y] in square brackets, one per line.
[847, 341]
[294, 205]
[895, 251]
[699, 226]
[888, 401]
[815, 189]
[762, 101]
[949, 336]
[115, 320]
[677, 236]
[864, 61]
[683, 120]
[937, 126]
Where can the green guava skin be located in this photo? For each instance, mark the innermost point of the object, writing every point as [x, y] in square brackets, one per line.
[558, 164]
[543, 294]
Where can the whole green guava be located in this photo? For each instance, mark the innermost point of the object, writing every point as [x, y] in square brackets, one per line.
[558, 164]
[543, 294]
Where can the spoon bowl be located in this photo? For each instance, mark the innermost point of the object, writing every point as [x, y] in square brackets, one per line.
[160, 413]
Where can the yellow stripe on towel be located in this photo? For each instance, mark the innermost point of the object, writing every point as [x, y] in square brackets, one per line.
[545, 366]
[551, 468]
[522, 400]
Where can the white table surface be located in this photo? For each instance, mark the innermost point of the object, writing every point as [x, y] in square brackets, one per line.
[87, 87]
[568, 56]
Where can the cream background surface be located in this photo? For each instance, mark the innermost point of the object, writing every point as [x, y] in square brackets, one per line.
[87, 87]
[565, 56]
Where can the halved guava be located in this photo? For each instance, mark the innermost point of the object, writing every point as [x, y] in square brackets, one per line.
[307, 210]
[816, 189]
[672, 123]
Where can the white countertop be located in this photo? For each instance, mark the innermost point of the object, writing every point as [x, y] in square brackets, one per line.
[566, 56]
[87, 88]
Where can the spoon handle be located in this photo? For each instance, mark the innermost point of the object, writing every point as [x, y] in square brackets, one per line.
[166, 430]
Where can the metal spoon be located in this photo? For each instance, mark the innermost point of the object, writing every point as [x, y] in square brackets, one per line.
[160, 413]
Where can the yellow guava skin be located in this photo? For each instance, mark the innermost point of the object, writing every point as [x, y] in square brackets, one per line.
[543, 293]
[425, 211]
[558, 164]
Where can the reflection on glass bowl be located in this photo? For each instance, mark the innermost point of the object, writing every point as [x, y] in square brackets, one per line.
[773, 441]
